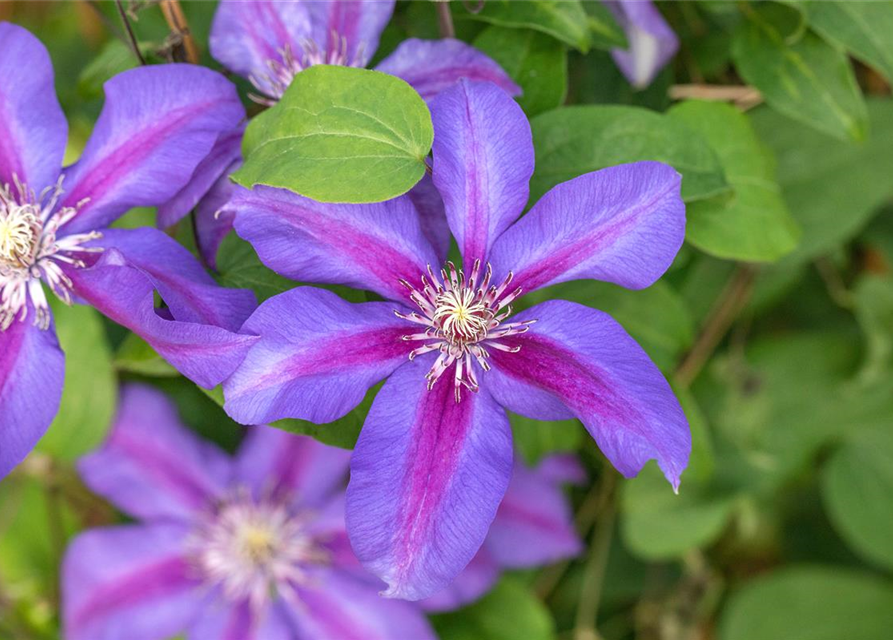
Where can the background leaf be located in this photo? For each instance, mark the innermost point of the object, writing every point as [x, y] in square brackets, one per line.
[340, 134]
[561, 19]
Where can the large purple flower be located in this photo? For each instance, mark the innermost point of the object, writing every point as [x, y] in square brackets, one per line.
[157, 125]
[651, 41]
[433, 461]
[255, 547]
[249, 548]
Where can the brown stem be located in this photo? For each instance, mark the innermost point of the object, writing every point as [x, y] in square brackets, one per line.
[176, 20]
[742, 96]
[727, 307]
[445, 19]
[134, 46]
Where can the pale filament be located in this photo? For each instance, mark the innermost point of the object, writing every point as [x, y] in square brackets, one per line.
[31, 251]
[463, 318]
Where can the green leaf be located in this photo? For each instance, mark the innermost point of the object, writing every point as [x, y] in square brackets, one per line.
[862, 28]
[564, 20]
[508, 612]
[604, 31]
[753, 224]
[833, 187]
[572, 141]
[239, 268]
[115, 57]
[856, 487]
[536, 62]
[874, 310]
[536, 439]
[808, 80]
[91, 388]
[340, 134]
[659, 525]
[810, 603]
[135, 355]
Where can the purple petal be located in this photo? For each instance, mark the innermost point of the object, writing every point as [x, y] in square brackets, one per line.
[562, 468]
[431, 66]
[623, 225]
[427, 476]
[33, 130]
[337, 605]
[213, 219]
[216, 166]
[316, 357]
[158, 124]
[585, 360]
[350, 27]
[366, 246]
[204, 353]
[652, 43]
[534, 524]
[189, 292]
[221, 621]
[151, 466]
[432, 216]
[129, 582]
[483, 160]
[274, 460]
[475, 580]
[32, 369]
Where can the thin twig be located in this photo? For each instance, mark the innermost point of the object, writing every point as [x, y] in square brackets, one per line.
[727, 307]
[445, 19]
[742, 96]
[176, 20]
[586, 627]
[134, 46]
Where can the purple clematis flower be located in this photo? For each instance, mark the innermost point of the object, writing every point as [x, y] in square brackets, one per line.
[255, 547]
[433, 461]
[652, 43]
[157, 125]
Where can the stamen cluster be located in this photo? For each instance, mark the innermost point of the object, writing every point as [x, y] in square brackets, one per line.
[254, 549]
[31, 251]
[284, 69]
[463, 319]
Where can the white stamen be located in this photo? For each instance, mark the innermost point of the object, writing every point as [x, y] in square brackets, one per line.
[255, 549]
[463, 317]
[283, 70]
[30, 251]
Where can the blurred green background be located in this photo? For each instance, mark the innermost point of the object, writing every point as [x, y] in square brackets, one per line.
[775, 324]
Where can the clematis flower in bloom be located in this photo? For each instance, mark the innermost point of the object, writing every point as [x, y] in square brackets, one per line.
[255, 546]
[158, 123]
[652, 43]
[434, 457]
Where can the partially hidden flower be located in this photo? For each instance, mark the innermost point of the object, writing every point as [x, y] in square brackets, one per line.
[254, 547]
[434, 457]
[157, 125]
[271, 42]
[651, 42]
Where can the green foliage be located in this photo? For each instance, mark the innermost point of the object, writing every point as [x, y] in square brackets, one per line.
[340, 134]
[800, 75]
[572, 141]
[564, 20]
[135, 355]
[811, 603]
[753, 223]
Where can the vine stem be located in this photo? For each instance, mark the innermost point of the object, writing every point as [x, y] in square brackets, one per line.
[134, 46]
[727, 307]
[585, 627]
[176, 20]
[445, 19]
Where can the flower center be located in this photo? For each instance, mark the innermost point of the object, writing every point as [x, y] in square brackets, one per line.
[463, 318]
[31, 251]
[282, 70]
[254, 549]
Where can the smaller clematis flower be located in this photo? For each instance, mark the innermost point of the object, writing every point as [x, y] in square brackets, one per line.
[434, 457]
[652, 43]
[249, 548]
[157, 125]
[254, 547]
